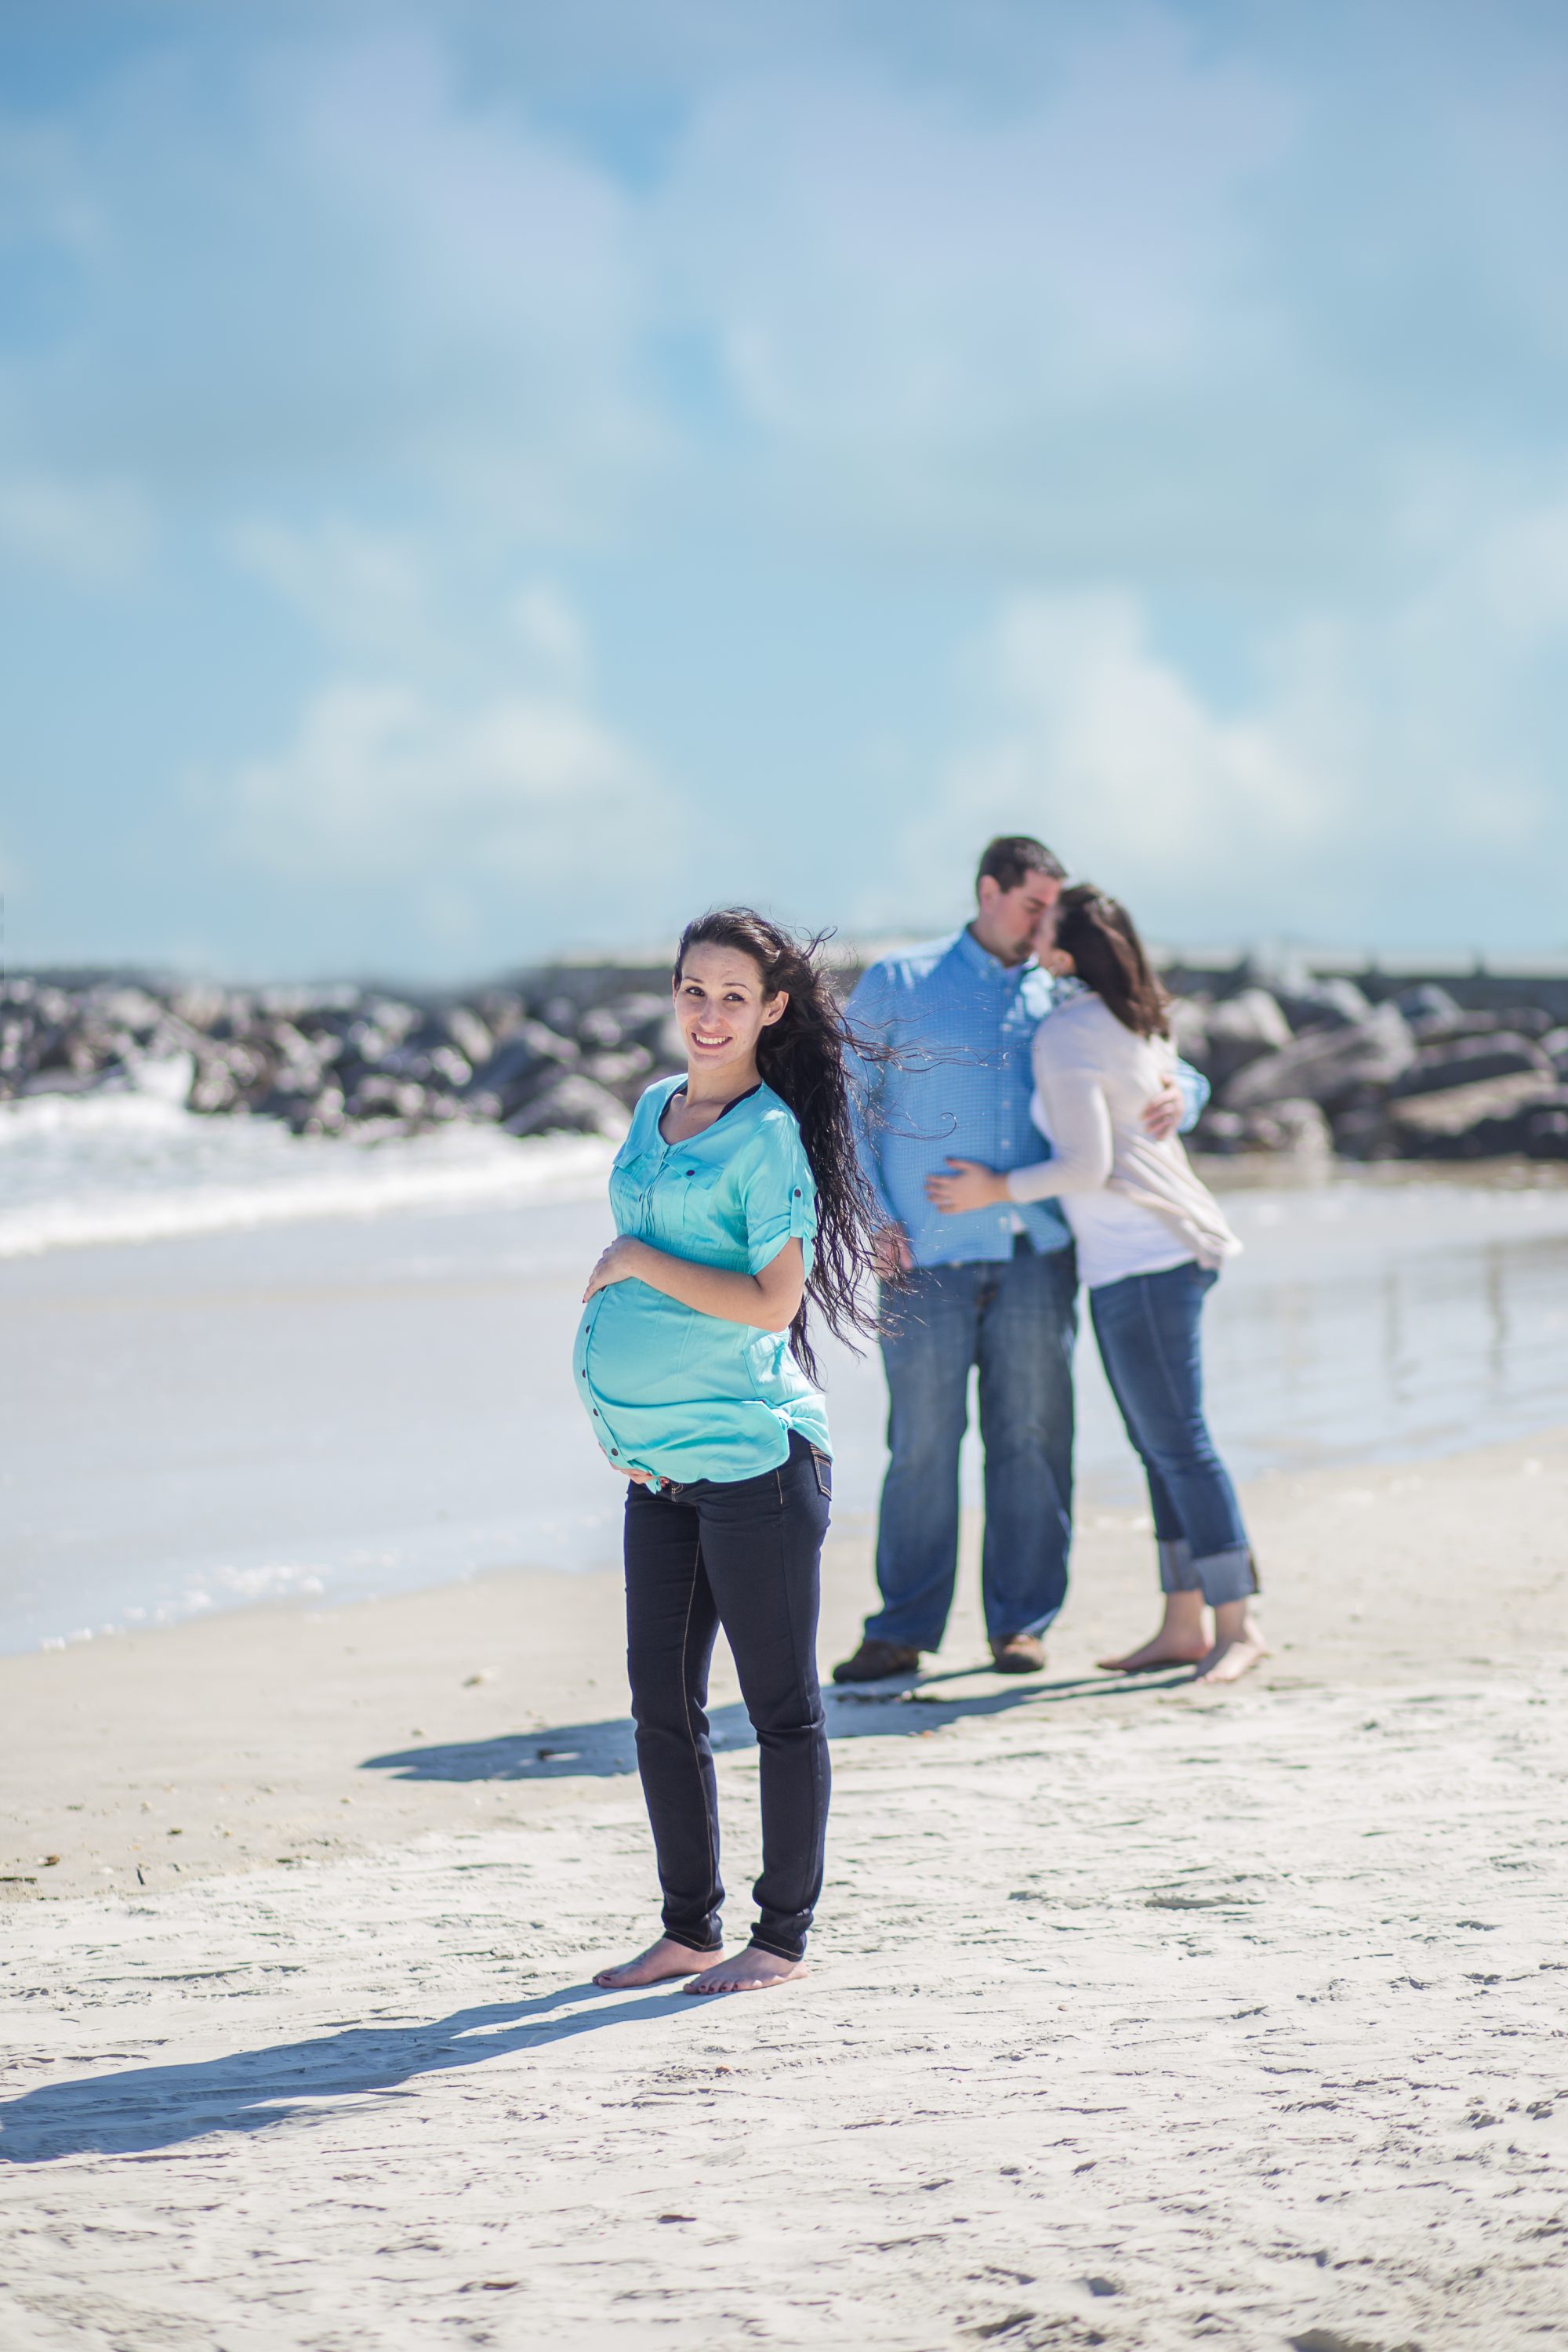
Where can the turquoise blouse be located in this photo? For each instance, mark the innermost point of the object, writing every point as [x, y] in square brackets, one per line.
[678, 1393]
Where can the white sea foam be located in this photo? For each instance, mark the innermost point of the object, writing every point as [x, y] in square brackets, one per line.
[137, 1166]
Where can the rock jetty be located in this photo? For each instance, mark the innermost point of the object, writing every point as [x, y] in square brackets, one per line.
[1304, 1064]
[1378, 1068]
[564, 1052]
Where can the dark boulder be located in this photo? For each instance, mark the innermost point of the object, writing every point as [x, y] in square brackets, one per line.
[1546, 1127]
[1326, 1065]
[73, 1082]
[625, 1072]
[1294, 1129]
[572, 1105]
[1241, 1030]
[469, 1034]
[640, 1019]
[1451, 1089]
[1519, 1020]
[1333, 1003]
[1364, 1130]
[1189, 1017]
[1426, 1002]
[531, 1057]
[1222, 1131]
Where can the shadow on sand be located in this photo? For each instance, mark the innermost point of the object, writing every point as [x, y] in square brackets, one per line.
[891, 1710]
[147, 2108]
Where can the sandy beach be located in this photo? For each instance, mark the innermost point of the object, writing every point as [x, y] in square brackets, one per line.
[1139, 2016]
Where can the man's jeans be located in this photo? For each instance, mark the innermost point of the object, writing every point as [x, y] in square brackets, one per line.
[745, 1554]
[1016, 1318]
[1147, 1327]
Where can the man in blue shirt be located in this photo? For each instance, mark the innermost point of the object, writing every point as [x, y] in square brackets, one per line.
[994, 1288]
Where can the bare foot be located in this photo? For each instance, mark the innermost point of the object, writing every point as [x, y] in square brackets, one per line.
[658, 1963]
[1162, 1650]
[1181, 1641]
[750, 1971]
[1239, 1645]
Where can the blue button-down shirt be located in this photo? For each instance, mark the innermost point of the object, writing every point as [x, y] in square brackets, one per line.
[962, 1025]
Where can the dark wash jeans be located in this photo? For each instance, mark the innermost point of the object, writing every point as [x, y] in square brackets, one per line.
[1017, 1319]
[745, 1554]
[1148, 1329]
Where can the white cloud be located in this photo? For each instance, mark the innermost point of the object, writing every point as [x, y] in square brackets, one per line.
[1381, 765]
[1523, 573]
[379, 779]
[362, 590]
[93, 533]
[550, 638]
[1102, 747]
[906, 261]
[447, 760]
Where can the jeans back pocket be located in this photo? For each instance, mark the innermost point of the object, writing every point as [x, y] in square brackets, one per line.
[823, 1465]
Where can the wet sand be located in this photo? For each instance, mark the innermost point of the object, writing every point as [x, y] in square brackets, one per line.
[1138, 2015]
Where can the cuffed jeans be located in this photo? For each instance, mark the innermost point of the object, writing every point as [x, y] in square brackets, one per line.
[745, 1554]
[1016, 1318]
[1147, 1328]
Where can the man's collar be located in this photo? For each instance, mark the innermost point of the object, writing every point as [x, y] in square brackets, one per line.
[981, 960]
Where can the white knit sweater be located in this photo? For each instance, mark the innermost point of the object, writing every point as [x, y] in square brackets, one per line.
[1134, 1205]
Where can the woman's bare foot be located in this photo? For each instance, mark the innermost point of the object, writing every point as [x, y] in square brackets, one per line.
[1160, 1652]
[656, 1966]
[1239, 1645]
[750, 1971]
[1182, 1640]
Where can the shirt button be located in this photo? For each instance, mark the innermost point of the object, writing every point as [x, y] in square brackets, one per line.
[615, 1457]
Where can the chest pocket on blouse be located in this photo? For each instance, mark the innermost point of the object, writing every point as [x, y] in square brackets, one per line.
[700, 1208]
[629, 1183]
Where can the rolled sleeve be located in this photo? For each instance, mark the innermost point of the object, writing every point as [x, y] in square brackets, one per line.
[781, 1205]
[1194, 1093]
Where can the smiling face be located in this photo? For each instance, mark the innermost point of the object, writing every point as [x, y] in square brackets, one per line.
[722, 1011]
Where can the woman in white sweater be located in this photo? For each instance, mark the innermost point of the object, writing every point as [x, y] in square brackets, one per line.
[1151, 1240]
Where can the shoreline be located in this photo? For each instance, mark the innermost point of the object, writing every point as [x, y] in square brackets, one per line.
[342, 1407]
[250, 1737]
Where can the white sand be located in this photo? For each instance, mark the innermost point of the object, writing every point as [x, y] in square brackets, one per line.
[1140, 2018]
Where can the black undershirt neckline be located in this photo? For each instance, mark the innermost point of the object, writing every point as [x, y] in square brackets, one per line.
[732, 1103]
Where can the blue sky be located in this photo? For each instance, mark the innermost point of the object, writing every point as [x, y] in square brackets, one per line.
[483, 478]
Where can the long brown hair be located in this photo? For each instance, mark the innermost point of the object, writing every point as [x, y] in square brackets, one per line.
[1107, 955]
[802, 1057]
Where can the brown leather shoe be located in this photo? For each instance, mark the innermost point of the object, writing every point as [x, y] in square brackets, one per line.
[874, 1661]
[1020, 1654]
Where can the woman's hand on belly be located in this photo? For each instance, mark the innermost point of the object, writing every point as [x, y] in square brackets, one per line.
[617, 1264]
[768, 1301]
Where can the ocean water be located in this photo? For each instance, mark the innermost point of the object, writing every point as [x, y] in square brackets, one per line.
[137, 1166]
[241, 1366]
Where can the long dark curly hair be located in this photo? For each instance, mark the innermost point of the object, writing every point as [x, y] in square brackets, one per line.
[805, 1057]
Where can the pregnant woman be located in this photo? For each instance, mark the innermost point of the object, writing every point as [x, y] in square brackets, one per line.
[736, 1198]
[1151, 1240]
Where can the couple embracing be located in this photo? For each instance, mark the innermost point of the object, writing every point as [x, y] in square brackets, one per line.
[985, 1105]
